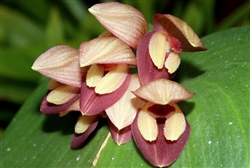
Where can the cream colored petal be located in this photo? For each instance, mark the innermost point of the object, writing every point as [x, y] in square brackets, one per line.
[112, 80]
[175, 125]
[52, 84]
[172, 62]
[124, 21]
[158, 47]
[179, 29]
[60, 63]
[162, 91]
[62, 94]
[83, 123]
[94, 75]
[147, 124]
[123, 112]
[74, 107]
[106, 50]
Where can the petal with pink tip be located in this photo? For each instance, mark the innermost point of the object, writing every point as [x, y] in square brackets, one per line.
[123, 112]
[147, 123]
[146, 69]
[94, 75]
[120, 136]
[172, 62]
[179, 29]
[112, 80]
[124, 21]
[175, 124]
[83, 123]
[49, 108]
[79, 139]
[92, 103]
[60, 63]
[160, 152]
[158, 47]
[62, 94]
[106, 50]
[163, 91]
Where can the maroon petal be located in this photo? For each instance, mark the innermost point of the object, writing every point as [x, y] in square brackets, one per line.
[120, 136]
[79, 139]
[146, 69]
[49, 108]
[161, 111]
[160, 152]
[92, 103]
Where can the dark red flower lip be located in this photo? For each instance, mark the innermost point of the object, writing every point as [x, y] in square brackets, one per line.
[160, 152]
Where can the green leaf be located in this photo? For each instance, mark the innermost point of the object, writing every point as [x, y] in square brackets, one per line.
[16, 90]
[218, 115]
[16, 62]
[36, 9]
[239, 17]
[17, 29]
[76, 8]
[54, 29]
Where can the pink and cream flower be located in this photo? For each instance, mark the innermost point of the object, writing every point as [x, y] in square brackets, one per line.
[95, 80]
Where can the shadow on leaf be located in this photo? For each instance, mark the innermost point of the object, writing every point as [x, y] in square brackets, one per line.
[186, 71]
[186, 107]
[65, 124]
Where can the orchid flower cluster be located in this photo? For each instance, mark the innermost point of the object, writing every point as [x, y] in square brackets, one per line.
[95, 81]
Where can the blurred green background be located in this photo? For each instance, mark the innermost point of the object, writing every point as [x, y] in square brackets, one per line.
[29, 27]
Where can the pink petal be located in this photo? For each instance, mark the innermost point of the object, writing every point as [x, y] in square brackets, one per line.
[146, 69]
[124, 21]
[175, 44]
[175, 27]
[60, 63]
[120, 136]
[162, 91]
[92, 103]
[79, 139]
[106, 50]
[160, 152]
[49, 108]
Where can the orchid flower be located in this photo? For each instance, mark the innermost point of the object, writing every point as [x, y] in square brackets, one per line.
[61, 65]
[158, 52]
[95, 81]
[160, 129]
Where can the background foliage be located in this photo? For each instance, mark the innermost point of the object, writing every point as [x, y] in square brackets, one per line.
[28, 28]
